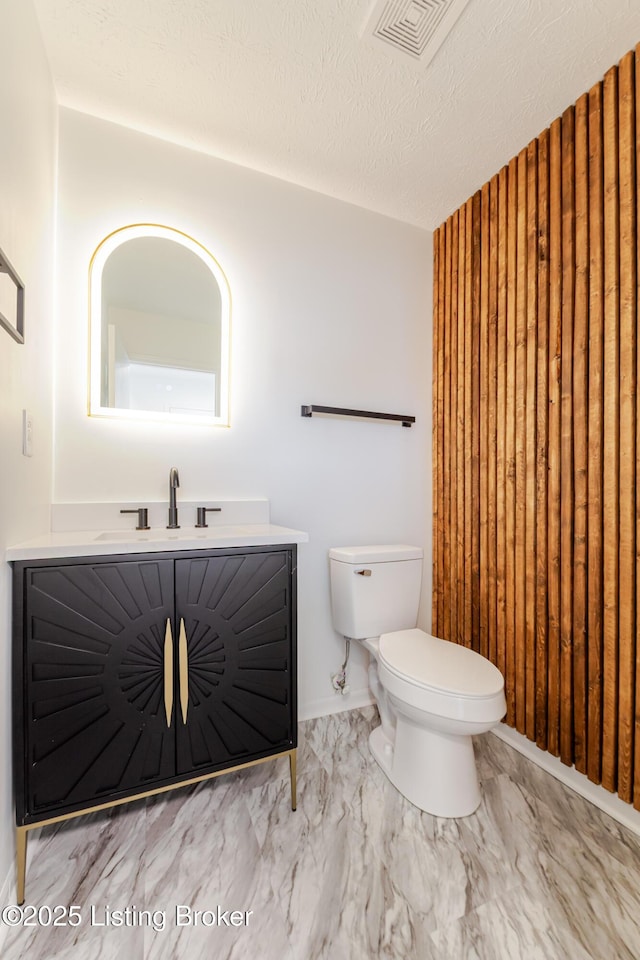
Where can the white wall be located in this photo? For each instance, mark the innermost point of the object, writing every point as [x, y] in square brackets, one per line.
[28, 125]
[331, 305]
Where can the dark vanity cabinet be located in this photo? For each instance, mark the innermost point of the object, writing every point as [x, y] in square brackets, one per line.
[136, 673]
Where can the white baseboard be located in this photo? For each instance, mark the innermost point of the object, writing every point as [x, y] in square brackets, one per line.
[335, 704]
[610, 803]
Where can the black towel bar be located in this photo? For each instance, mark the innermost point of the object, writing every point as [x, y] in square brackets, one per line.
[308, 409]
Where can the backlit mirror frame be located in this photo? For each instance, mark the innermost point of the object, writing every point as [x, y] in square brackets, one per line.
[100, 256]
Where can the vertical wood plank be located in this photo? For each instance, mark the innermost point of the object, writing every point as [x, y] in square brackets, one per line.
[484, 413]
[531, 440]
[469, 518]
[611, 431]
[627, 481]
[446, 569]
[435, 445]
[553, 498]
[520, 446]
[442, 519]
[460, 427]
[446, 461]
[453, 452]
[566, 438]
[542, 434]
[501, 399]
[475, 374]
[492, 374]
[510, 441]
[636, 776]
[596, 363]
[580, 432]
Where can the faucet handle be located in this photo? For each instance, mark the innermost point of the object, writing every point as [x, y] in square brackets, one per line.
[202, 515]
[143, 517]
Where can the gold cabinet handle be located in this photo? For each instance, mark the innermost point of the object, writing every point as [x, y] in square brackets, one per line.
[184, 670]
[168, 672]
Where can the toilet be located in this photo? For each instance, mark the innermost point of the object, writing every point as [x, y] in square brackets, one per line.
[432, 695]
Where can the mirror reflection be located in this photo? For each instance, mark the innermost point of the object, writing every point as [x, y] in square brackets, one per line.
[160, 328]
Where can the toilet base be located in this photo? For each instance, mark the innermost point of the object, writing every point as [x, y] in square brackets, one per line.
[435, 771]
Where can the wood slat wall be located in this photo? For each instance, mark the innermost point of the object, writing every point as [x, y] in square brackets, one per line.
[536, 436]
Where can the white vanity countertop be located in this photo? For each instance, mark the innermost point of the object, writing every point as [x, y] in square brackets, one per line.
[94, 543]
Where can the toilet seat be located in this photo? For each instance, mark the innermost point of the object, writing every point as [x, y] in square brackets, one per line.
[446, 680]
[439, 666]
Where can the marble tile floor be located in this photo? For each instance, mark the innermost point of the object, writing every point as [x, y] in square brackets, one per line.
[355, 873]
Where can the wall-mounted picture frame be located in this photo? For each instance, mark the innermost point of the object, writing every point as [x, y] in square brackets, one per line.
[11, 300]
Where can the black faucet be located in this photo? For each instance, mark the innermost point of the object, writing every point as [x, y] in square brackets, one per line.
[174, 482]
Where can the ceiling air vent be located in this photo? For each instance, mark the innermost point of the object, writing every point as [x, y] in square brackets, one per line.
[414, 28]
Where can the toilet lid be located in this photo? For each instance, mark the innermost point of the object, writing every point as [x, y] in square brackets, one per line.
[419, 658]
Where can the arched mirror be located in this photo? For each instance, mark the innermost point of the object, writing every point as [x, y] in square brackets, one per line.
[160, 328]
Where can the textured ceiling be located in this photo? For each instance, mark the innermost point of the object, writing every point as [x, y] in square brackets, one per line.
[291, 88]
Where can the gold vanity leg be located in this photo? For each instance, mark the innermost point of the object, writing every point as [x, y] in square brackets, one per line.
[21, 861]
[292, 772]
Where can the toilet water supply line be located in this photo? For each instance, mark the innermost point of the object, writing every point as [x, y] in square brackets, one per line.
[339, 679]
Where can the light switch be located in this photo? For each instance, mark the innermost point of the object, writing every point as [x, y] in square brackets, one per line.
[27, 433]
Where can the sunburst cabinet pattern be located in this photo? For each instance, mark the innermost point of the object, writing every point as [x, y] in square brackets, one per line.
[90, 699]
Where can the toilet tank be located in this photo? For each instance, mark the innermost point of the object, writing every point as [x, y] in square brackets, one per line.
[375, 589]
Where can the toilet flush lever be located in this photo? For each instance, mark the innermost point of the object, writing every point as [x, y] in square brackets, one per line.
[363, 573]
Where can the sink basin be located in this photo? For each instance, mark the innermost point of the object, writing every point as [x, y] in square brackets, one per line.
[160, 533]
[124, 535]
[234, 534]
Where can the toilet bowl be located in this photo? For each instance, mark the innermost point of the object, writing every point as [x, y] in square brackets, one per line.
[432, 695]
[442, 694]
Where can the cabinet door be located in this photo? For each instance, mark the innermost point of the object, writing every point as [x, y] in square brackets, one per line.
[237, 615]
[94, 713]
